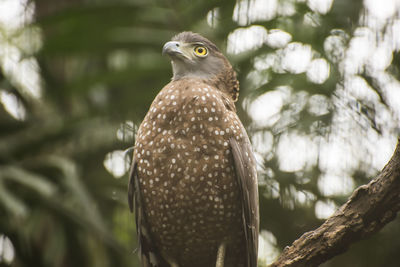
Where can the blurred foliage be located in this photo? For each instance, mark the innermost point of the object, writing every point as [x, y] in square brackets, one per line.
[100, 66]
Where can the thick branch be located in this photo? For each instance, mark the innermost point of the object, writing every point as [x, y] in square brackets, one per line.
[369, 208]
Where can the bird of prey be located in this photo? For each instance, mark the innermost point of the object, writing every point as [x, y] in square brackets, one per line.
[193, 184]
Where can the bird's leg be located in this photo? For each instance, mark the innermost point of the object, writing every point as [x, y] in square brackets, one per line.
[221, 255]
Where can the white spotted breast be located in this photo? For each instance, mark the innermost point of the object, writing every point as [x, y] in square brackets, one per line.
[185, 169]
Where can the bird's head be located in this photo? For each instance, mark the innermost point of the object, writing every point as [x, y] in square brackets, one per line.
[194, 56]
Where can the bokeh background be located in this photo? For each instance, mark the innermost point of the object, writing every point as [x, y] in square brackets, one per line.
[320, 98]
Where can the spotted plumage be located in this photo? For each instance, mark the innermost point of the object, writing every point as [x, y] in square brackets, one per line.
[193, 179]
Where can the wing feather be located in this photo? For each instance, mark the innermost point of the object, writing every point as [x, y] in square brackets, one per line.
[247, 180]
[148, 252]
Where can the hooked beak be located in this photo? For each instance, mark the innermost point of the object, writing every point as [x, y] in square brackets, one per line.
[172, 48]
[176, 50]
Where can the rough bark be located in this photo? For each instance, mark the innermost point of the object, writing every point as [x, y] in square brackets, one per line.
[369, 208]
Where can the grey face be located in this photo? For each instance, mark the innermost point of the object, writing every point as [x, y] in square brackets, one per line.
[198, 59]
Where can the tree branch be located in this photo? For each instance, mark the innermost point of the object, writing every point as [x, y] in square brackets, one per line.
[369, 209]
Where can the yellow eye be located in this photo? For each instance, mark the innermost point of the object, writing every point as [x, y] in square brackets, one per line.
[201, 51]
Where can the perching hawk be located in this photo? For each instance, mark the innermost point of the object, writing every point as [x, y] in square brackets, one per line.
[193, 184]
